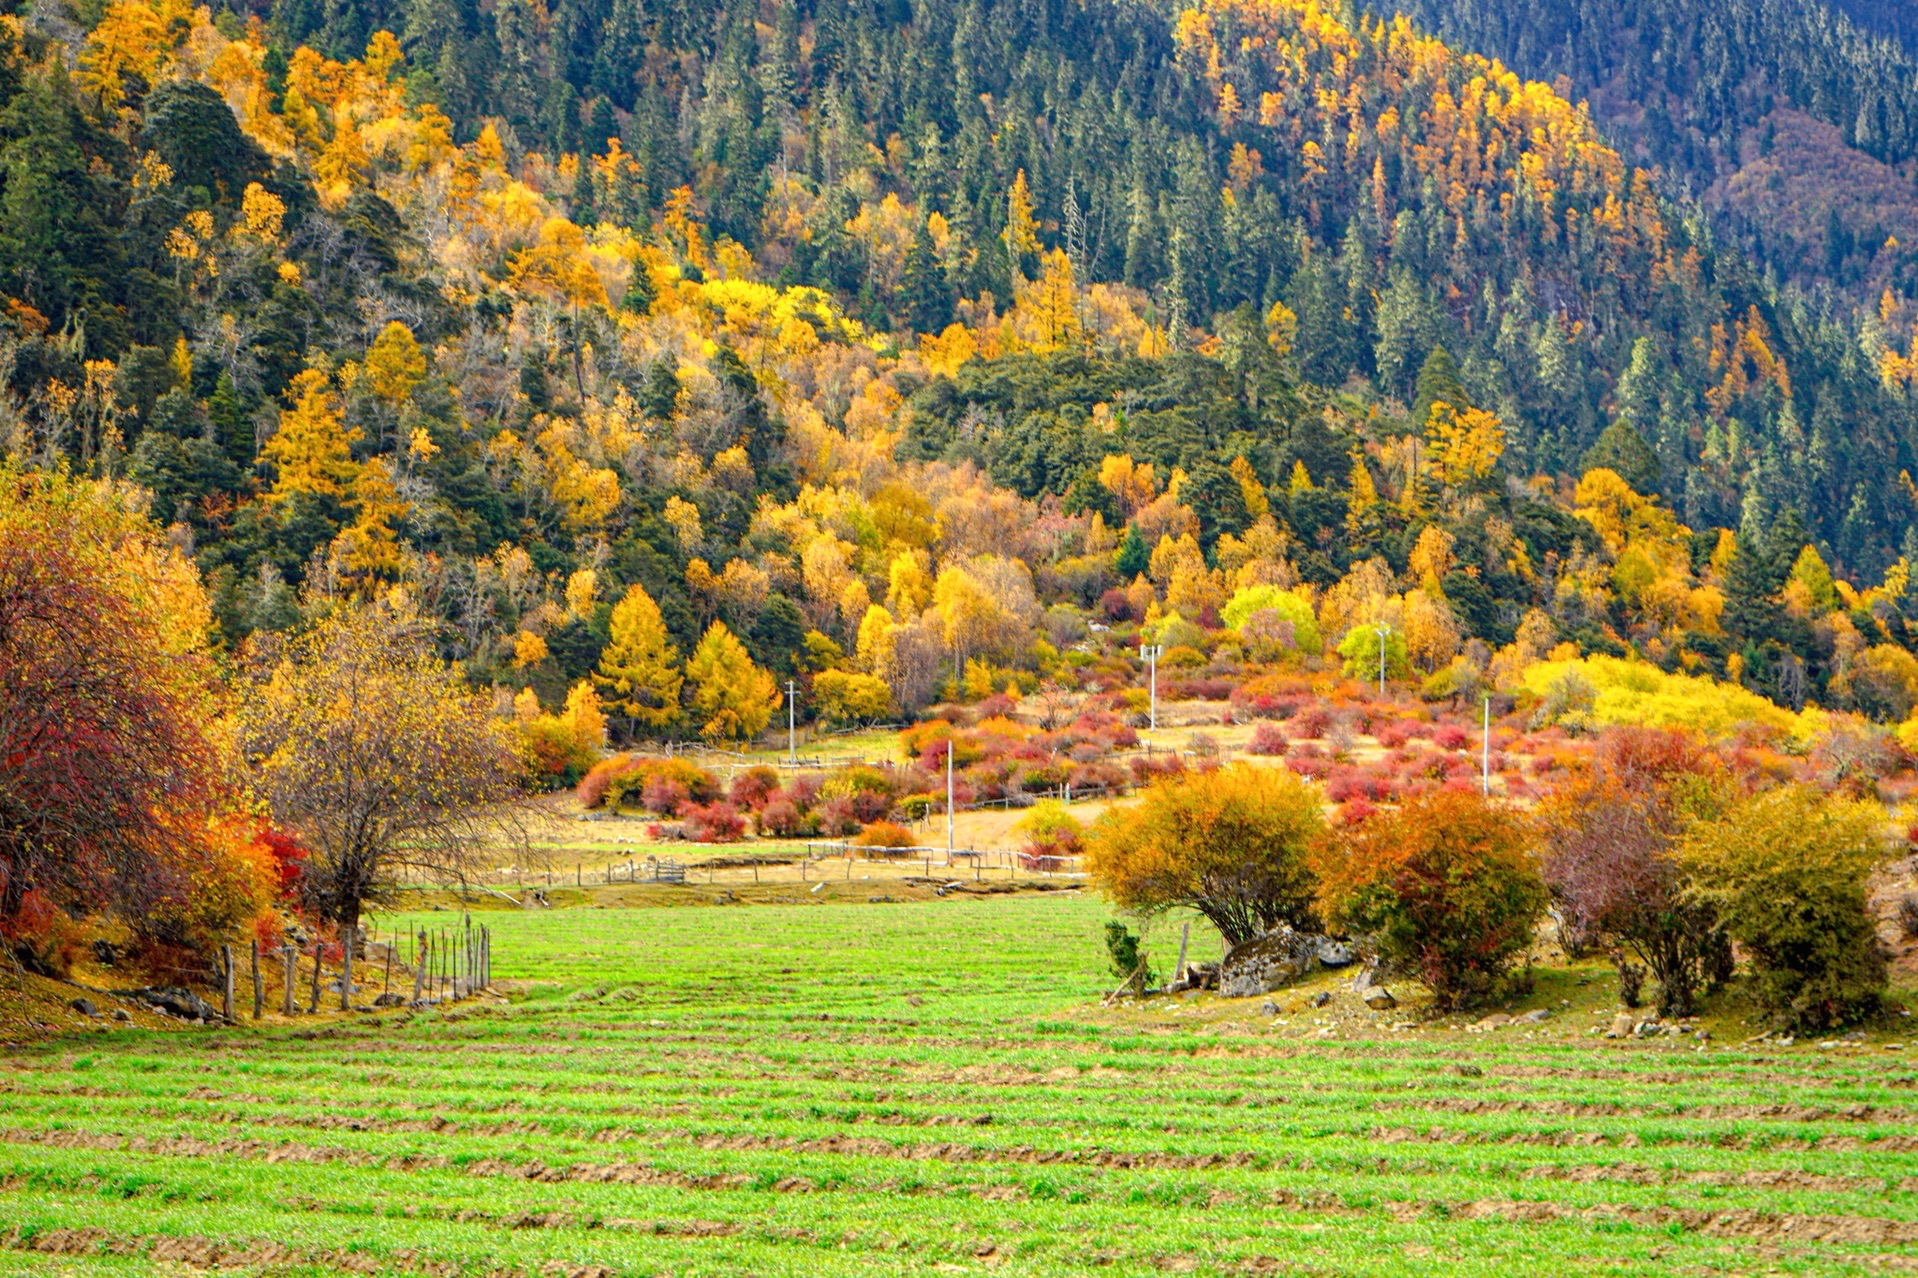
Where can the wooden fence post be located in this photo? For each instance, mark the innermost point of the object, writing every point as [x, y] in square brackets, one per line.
[419, 969]
[226, 982]
[346, 970]
[259, 987]
[290, 977]
[313, 1007]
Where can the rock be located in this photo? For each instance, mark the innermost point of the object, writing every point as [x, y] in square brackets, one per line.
[121, 1014]
[1268, 1008]
[1320, 999]
[390, 999]
[1380, 999]
[174, 1001]
[84, 1006]
[1536, 1016]
[1466, 1070]
[1497, 1020]
[1266, 962]
[1623, 1026]
[1336, 953]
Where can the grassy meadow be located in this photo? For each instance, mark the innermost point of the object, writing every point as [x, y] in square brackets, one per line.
[850, 1087]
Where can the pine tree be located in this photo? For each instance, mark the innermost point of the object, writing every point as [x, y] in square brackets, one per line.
[928, 294]
[1437, 380]
[1134, 554]
[731, 694]
[640, 667]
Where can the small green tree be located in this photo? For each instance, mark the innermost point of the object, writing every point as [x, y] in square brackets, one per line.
[1786, 870]
[1360, 648]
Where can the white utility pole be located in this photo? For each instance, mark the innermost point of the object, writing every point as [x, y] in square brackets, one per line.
[792, 746]
[1383, 631]
[1485, 762]
[1149, 653]
[950, 743]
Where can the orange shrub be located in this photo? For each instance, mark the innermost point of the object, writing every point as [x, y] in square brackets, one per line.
[885, 838]
[1445, 886]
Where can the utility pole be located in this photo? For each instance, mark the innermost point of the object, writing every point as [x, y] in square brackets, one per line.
[1149, 653]
[1383, 631]
[1485, 761]
[950, 743]
[792, 747]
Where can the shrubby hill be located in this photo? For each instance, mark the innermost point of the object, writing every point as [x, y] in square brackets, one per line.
[909, 342]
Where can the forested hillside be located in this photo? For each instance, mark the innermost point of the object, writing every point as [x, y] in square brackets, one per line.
[907, 341]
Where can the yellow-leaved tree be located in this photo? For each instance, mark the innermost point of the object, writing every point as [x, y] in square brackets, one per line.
[355, 736]
[639, 669]
[312, 449]
[732, 695]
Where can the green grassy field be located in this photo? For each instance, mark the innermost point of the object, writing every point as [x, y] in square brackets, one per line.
[859, 1088]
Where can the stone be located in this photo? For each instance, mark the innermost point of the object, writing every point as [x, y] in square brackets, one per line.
[1466, 1070]
[390, 999]
[84, 1006]
[1268, 1008]
[1496, 1020]
[1336, 953]
[1320, 999]
[1380, 999]
[1268, 961]
[1623, 1025]
[121, 1014]
[174, 1001]
[1537, 1016]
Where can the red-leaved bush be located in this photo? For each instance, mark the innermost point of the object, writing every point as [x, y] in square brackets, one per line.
[713, 822]
[1314, 721]
[1268, 739]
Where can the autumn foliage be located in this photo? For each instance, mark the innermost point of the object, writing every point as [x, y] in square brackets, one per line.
[107, 776]
[1445, 886]
[1232, 843]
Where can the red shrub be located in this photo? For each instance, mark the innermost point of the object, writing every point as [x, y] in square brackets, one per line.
[713, 823]
[1449, 736]
[1312, 722]
[781, 818]
[1393, 735]
[1313, 764]
[665, 795]
[1355, 811]
[1267, 739]
[751, 788]
[288, 856]
[1115, 606]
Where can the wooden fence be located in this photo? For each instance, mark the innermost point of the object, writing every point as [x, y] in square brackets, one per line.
[442, 965]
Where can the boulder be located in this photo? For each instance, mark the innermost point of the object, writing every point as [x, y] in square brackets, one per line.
[1320, 999]
[84, 1006]
[1380, 999]
[174, 1001]
[390, 1000]
[1623, 1026]
[121, 1014]
[1536, 1016]
[1266, 962]
[1336, 953]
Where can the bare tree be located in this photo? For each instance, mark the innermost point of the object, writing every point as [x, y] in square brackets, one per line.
[377, 755]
